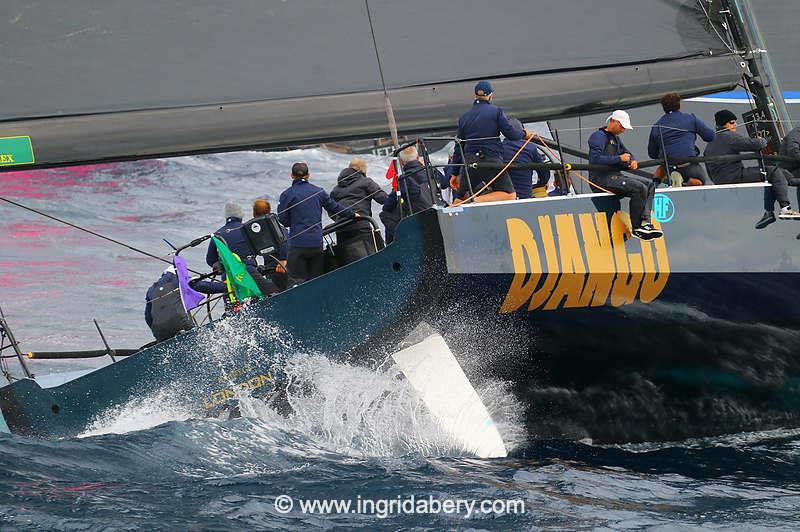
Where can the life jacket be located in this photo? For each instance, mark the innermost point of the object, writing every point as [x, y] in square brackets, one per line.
[169, 317]
[612, 145]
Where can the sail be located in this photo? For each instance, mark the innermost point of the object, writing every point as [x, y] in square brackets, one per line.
[121, 79]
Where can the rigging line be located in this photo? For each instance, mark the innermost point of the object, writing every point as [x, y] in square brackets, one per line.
[713, 27]
[368, 196]
[569, 169]
[93, 233]
[761, 164]
[471, 139]
[320, 191]
[387, 103]
[199, 308]
[492, 180]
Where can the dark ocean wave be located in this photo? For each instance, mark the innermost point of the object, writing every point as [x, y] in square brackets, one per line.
[151, 465]
[204, 474]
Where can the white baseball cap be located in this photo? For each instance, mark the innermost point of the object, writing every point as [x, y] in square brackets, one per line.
[622, 117]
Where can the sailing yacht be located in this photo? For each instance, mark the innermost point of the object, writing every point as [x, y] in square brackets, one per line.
[701, 321]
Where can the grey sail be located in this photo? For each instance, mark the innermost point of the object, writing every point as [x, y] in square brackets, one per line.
[122, 79]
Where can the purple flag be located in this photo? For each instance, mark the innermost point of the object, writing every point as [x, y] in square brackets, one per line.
[190, 297]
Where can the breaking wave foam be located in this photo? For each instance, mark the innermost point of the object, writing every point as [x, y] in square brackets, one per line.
[333, 407]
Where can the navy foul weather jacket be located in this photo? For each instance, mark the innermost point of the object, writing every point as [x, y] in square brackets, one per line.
[484, 121]
[300, 210]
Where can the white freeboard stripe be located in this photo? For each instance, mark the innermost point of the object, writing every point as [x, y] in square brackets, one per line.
[435, 374]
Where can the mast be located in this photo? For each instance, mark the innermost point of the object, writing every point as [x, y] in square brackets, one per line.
[760, 76]
[387, 102]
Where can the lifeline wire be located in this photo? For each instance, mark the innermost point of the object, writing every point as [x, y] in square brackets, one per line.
[569, 168]
[368, 196]
[492, 180]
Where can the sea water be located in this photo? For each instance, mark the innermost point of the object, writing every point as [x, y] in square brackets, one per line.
[357, 448]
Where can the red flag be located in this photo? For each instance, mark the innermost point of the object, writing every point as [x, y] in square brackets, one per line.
[391, 174]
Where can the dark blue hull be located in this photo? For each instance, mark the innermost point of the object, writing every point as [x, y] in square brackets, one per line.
[358, 308]
[599, 335]
[715, 354]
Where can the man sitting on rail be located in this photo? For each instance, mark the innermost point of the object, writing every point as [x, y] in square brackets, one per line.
[479, 136]
[790, 147]
[607, 149]
[675, 133]
[729, 142]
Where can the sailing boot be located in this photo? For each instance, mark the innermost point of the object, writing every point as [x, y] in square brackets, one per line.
[787, 213]
[647, 232]
[768, 218]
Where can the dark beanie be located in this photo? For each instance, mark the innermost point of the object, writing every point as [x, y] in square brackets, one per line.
[723, 117]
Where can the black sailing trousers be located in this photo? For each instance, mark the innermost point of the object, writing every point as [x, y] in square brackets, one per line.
[305, 263]
[639, 189]
[778, 177]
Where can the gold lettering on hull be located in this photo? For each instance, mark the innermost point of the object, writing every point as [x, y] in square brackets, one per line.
[592, 270]
[222, 396]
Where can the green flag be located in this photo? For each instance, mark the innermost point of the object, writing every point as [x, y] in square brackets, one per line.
[238, 278]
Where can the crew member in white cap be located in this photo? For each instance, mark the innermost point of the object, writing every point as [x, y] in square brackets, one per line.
[605, 148]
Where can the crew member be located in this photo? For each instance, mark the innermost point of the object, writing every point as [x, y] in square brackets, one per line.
[415, 194]
[729, 142]
[164, 312]
[231, 233]
[675, 133]
[261, 207]
[300, 210]
[357, 191]
[522, 178]
[274, 267]
[607, 149]
[790, 147]
[478, 136]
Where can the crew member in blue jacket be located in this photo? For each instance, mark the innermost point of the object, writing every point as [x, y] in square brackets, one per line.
[522, 178]
[233, 236]
[479, 136]
[677, 132]
[231, 233]
[300, 210]
[415, 194]
[607, 149]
